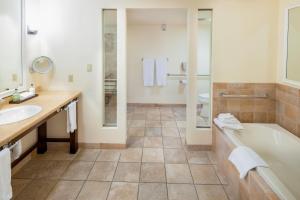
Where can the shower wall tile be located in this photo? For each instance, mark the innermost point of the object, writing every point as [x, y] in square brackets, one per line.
[288, 108]
[247, 110]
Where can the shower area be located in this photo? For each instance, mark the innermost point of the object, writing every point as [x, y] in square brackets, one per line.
[110, 66]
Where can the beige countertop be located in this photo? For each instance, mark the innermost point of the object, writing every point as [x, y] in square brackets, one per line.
[50, 101]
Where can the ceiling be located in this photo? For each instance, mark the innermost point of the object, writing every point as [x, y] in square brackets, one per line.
[157, 16]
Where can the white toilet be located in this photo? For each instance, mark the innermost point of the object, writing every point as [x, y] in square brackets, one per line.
[204, 100]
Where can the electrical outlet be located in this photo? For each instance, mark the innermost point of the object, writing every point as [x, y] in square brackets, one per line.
[71, 78]
[89, 68]
[14, 77]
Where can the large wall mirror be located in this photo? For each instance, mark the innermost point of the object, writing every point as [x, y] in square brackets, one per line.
[11, 71]
[293, 44]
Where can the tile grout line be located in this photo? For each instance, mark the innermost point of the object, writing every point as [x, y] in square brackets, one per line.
[111, 182]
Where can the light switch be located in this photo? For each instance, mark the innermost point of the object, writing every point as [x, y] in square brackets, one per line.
[89, 68]
[71, 78]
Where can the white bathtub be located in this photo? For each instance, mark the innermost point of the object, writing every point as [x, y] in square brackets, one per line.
[280, 149]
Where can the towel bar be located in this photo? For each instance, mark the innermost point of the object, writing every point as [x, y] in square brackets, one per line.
[264, 96]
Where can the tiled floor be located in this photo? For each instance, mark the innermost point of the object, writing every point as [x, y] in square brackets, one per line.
[156, 166]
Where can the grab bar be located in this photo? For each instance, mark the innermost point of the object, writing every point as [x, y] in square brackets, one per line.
[264, 96]
[176, 75]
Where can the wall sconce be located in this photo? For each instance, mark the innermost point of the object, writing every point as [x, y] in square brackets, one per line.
[31, 30]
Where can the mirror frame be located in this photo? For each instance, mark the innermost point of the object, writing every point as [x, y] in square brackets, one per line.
[285, 46]
[22, 86]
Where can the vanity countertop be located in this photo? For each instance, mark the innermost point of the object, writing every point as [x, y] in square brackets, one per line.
[50, 101]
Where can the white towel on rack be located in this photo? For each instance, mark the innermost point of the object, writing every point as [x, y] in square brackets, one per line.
[245, 159]
[5, 175]
[161, 71]
[148, 72]
[16, 151]
[71, 117]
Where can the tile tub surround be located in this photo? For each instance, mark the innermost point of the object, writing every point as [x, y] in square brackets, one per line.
[288, 108]
[252, 187]
[247, 110]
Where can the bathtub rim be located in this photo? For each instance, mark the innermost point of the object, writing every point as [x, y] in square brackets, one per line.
[266, 173]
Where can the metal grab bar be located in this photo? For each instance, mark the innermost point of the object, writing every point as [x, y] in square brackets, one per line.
[264, 96]
[176, 75]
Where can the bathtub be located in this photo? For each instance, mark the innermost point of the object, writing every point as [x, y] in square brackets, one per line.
[280, 149]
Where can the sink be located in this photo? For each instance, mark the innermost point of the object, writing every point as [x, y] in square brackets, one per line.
[16, 114]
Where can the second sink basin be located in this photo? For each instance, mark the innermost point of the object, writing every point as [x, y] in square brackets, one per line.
[16, 114]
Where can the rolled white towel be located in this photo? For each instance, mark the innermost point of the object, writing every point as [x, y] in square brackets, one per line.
[233, 126]
[245, 159]
[225, 116]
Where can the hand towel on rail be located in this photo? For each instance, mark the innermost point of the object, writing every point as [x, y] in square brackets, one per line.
[71, 117]
[161, 71]
[148, 72]
[5, 175]
[245, 159]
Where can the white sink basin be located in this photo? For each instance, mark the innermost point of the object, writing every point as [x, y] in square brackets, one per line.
[16, 114]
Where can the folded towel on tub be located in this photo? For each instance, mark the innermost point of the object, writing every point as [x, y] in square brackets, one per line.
[245, 159]
[227, 120]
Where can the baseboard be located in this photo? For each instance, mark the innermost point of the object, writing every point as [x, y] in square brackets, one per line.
[199, 147]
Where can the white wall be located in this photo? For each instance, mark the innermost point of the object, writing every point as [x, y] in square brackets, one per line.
[244, 48]
[149, 41]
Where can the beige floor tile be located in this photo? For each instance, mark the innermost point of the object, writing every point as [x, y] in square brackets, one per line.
[137, 124]
[36, 190]
[64, 155]
[123, 191]
[138, 116]
[181, 124]
[78, 170]
[197, 157]
[169, 124]
[153, 155]
[153, 191]
[212, 157]
[129, 172]
[52, 169]
[30, 170]
[167, 116]
[211, 192]
[103, 171]
[131, 155]
[136, 132]
[172, 142]
[133, 142]
[175, 156]
[222, 177]
[178, 173]
[109, 155]
[93, 190]
[67, 190]
[87, 154]
[18, 185]
[153, 132]
[182, 192]
[153, 172]
[154, 142]
[204, 174]
[170, 132]
[153, 124]
[49, 155]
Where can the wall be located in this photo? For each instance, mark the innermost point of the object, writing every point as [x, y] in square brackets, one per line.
[149, 41]
[244, 48]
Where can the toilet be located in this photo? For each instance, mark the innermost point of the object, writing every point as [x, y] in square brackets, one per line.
[204, 101]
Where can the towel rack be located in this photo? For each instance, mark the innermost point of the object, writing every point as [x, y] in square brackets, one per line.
[64, 107]
[10, 146]
[264, 96]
